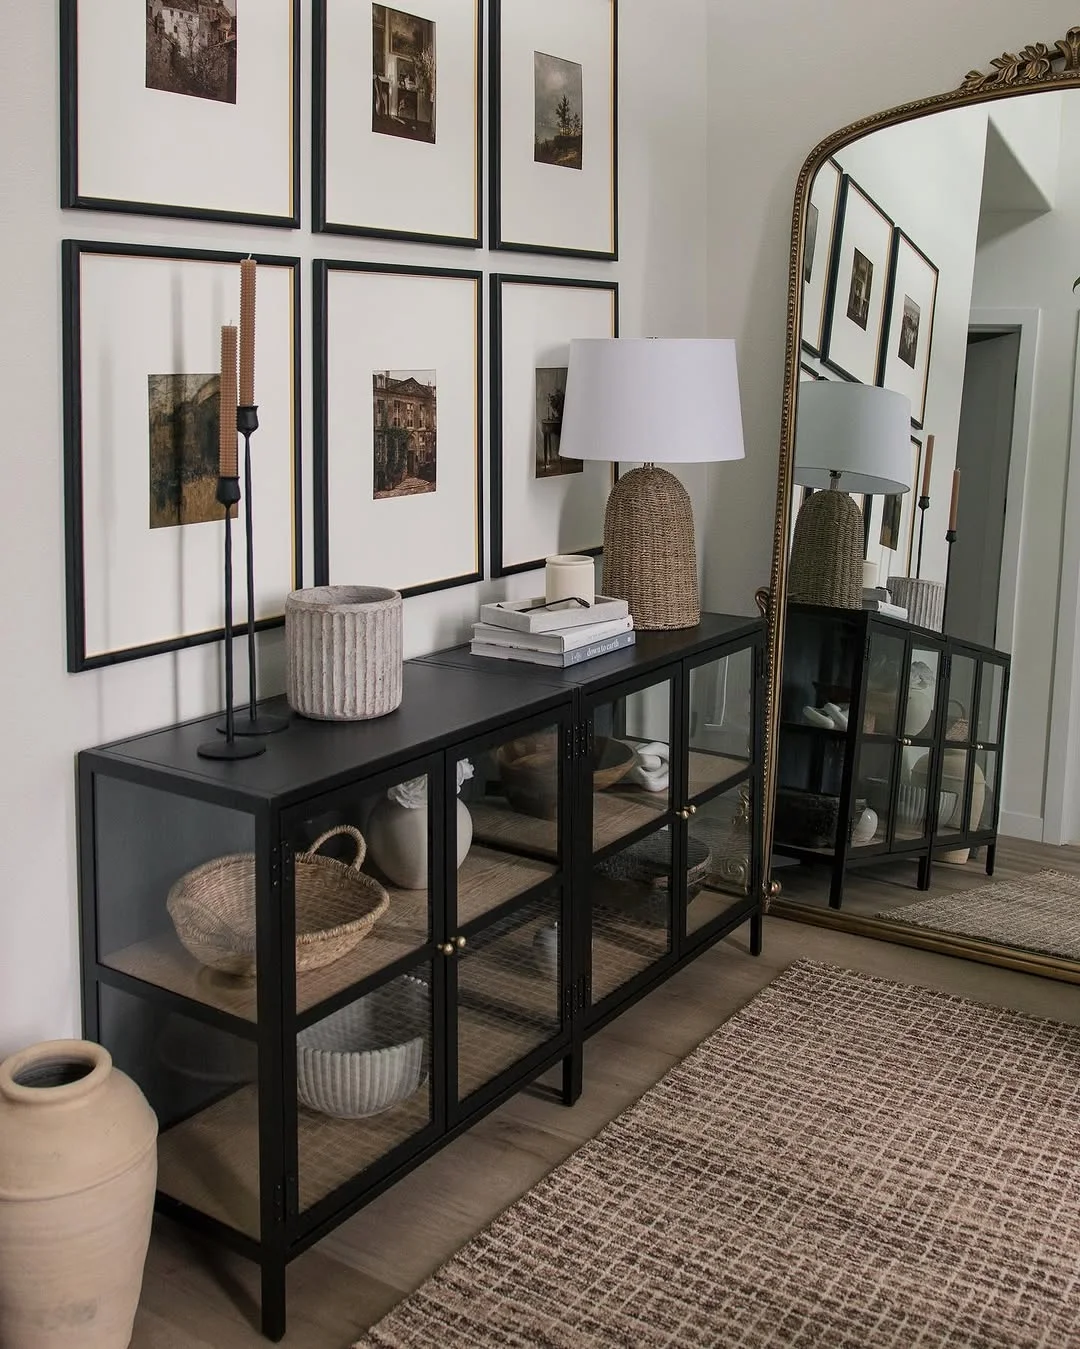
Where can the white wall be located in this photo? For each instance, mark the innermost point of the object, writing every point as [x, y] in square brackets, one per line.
[782, 77]
[51, 714]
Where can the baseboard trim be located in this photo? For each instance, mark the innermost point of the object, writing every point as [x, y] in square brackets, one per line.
[1013, 825]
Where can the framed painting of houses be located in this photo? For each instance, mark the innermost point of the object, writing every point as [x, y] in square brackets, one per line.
[542, 504]
[909, 335]
[554, 127]
[142, 364]
[398, 476]
[859, 286]
[397, 120]
[182, 108]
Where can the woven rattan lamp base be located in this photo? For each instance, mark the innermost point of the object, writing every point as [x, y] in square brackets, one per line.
[649, 555]
[827, 552]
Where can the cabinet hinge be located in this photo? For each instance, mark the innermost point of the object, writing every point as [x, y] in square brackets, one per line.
[277, 1205]
[569, 743]
[292, 1196]
[568, 1001]
[586, 991]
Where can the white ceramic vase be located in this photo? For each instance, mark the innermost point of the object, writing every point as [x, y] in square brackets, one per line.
[78, 1168]
[865, 828]
[397, 841]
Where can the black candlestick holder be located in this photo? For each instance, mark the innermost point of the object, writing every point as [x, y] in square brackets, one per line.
[228, 493]
[252, 722]
[950, 539]
[924, 506]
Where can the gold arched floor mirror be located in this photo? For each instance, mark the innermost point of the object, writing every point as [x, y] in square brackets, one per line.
[913, 752]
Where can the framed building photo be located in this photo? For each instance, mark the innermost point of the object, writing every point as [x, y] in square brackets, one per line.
[398, 458]
[821, 216]
[858, 286]
[554, 127]
[182, 108]
[909, 334]
[541, 503]
[142, 364]
[397, 119]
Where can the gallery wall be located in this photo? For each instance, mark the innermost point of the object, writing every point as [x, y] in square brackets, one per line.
[53, 714]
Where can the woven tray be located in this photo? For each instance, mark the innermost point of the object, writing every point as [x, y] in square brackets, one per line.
[213, 908]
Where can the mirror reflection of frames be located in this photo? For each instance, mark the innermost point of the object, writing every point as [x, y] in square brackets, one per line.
[926, 654]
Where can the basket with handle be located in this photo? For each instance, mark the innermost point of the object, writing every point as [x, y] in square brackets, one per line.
[337, 904]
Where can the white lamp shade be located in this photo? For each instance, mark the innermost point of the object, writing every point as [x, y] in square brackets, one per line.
[653, 400]
[857, 430]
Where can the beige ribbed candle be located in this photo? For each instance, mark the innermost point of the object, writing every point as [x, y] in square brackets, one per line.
[227, 455]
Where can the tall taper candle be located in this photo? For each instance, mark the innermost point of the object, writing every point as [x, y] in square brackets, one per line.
[954, 504]
[927, 466]
[228, 466]
[247, 333]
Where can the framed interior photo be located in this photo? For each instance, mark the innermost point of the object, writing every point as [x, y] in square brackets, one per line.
[542, 504]
[397, 120]
[893, 522]
[398, 426]
[858, 286]
[554, 127]
[178, 108]
[909, 333]
[821, 216]
[142, 365]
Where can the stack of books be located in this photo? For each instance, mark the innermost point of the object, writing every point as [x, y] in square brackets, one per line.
[561, 635]
[878, 600]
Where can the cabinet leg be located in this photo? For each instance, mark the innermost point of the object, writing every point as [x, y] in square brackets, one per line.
[836, 889]
[273, 1299]
[926, 867]
[573, 1074]
[757, 933]
[991, 855]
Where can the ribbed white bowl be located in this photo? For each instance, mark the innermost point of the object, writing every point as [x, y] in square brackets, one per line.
[368, 1056]
[344, 651]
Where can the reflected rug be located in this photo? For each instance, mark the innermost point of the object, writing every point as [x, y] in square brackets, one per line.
[1039, 913]
[847, 1163]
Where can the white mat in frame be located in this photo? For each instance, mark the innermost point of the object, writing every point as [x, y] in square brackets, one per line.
[398, 477]
[533, 320]
[144, 535]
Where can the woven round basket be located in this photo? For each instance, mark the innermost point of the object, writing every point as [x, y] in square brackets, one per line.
[213, 908]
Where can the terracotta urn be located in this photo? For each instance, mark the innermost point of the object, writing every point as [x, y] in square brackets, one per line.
[78, 1169]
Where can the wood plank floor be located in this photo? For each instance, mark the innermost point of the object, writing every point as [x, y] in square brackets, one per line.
[198, 1296]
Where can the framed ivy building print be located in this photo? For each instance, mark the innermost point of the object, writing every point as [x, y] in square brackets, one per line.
[182, 108]
[554, 127]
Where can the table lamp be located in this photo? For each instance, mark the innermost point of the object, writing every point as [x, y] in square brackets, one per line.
[652, 401]
[849, 438]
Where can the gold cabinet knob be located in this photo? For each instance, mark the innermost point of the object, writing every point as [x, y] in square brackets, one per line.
[684, 814]
[692, 809]
[460, 943]
[446, 948]
[906, 742]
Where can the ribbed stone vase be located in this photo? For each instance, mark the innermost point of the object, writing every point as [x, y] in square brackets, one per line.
[923, 600]
[343, 652]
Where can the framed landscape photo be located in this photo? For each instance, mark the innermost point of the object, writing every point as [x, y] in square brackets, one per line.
[398, 434]
[554, 127]
[142, 363]
[397, 119]
[182, 108]
[821, 215]
[858, 286]
[909, 334]
[541, 503]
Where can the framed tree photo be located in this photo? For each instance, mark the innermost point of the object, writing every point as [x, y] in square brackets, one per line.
[182, 108]
[858, 286]
[398, 460]
[142, 363]
[821, 216]
[541, 503]
[909, 333]
[554, 127]
[397, 119]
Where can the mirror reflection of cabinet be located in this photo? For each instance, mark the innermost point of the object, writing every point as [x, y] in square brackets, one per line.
[870, 763]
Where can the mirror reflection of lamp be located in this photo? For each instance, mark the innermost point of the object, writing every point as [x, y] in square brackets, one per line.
[850, 438]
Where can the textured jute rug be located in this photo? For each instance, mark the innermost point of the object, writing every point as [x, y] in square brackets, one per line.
[1039, 913]
[847, 1163]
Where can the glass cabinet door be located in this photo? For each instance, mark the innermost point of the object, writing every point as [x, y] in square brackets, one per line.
[628, 782]
[886, 668]
[720, 729]
[871, 820]
[721, 839]
[991, 703]
[914, 817]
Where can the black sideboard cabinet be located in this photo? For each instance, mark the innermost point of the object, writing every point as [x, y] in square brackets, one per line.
[581, 887]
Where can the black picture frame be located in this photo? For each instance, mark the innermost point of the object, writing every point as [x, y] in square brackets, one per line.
[889, 373]
[74, 197]
[321, 223]
[72, 253]
[824, 242]
[322, 269]
[497, 238]
[498, 283]
[878, 315]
